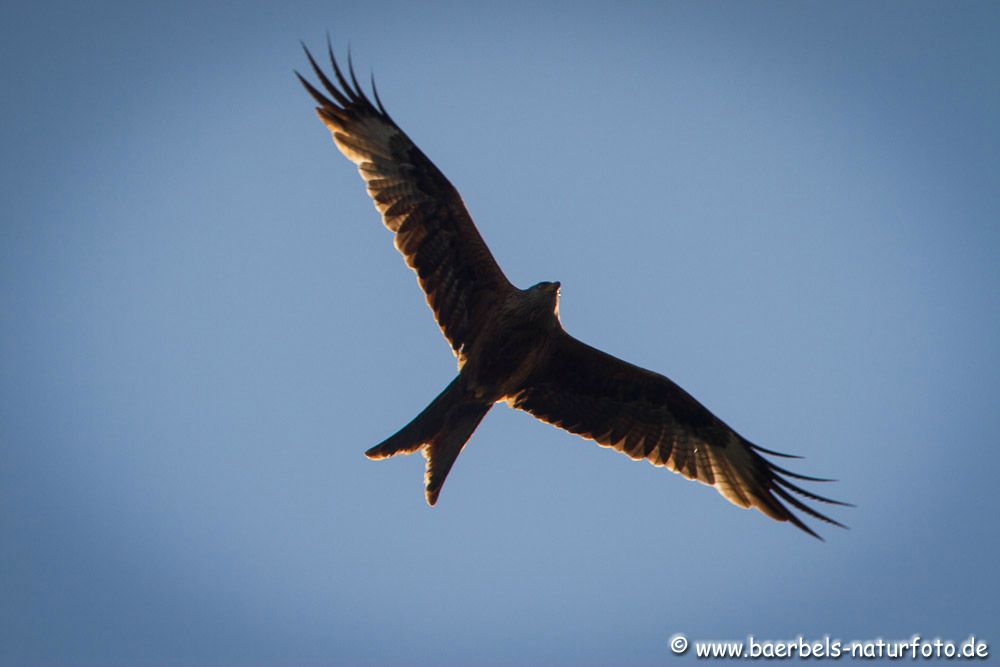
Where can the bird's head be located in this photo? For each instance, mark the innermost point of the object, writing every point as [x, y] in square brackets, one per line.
[549, 293]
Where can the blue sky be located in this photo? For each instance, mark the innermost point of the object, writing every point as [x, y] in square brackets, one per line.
[790, 208]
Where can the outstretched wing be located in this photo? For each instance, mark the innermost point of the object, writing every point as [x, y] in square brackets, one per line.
[434, 231]
[644, 415]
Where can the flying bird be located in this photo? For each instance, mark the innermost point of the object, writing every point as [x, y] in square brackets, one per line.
[510, 344]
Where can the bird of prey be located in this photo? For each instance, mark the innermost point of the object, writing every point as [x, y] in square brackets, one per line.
[510, 344]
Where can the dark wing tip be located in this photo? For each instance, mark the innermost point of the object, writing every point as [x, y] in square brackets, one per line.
[337, 71]
[320, 98]
[795, 475]
[354, 79]
[791, 500]
[347, 93]
[773, 453]
[378, 100]
[775, 484]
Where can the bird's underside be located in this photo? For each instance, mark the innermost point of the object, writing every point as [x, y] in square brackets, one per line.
[511, 346]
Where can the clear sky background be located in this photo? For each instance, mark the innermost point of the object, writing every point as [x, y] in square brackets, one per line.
[791, 209]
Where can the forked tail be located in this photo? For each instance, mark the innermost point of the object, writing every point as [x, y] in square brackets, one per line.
[442, 430]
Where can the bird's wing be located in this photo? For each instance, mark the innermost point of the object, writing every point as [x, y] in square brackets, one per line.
[434, 231]
[644, 415]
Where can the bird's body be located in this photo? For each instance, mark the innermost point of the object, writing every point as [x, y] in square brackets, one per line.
[520, 340]
[511, 346]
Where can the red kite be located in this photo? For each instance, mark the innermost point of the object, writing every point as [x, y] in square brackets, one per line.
[510, 344]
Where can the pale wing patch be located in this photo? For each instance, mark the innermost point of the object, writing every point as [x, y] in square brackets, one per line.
[369, 137]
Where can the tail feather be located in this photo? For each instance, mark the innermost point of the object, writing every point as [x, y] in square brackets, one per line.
[424, 426]
[441, 430]
[445, 447]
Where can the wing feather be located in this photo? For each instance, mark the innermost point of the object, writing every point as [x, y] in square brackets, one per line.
[434, 231]
[645, 415]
